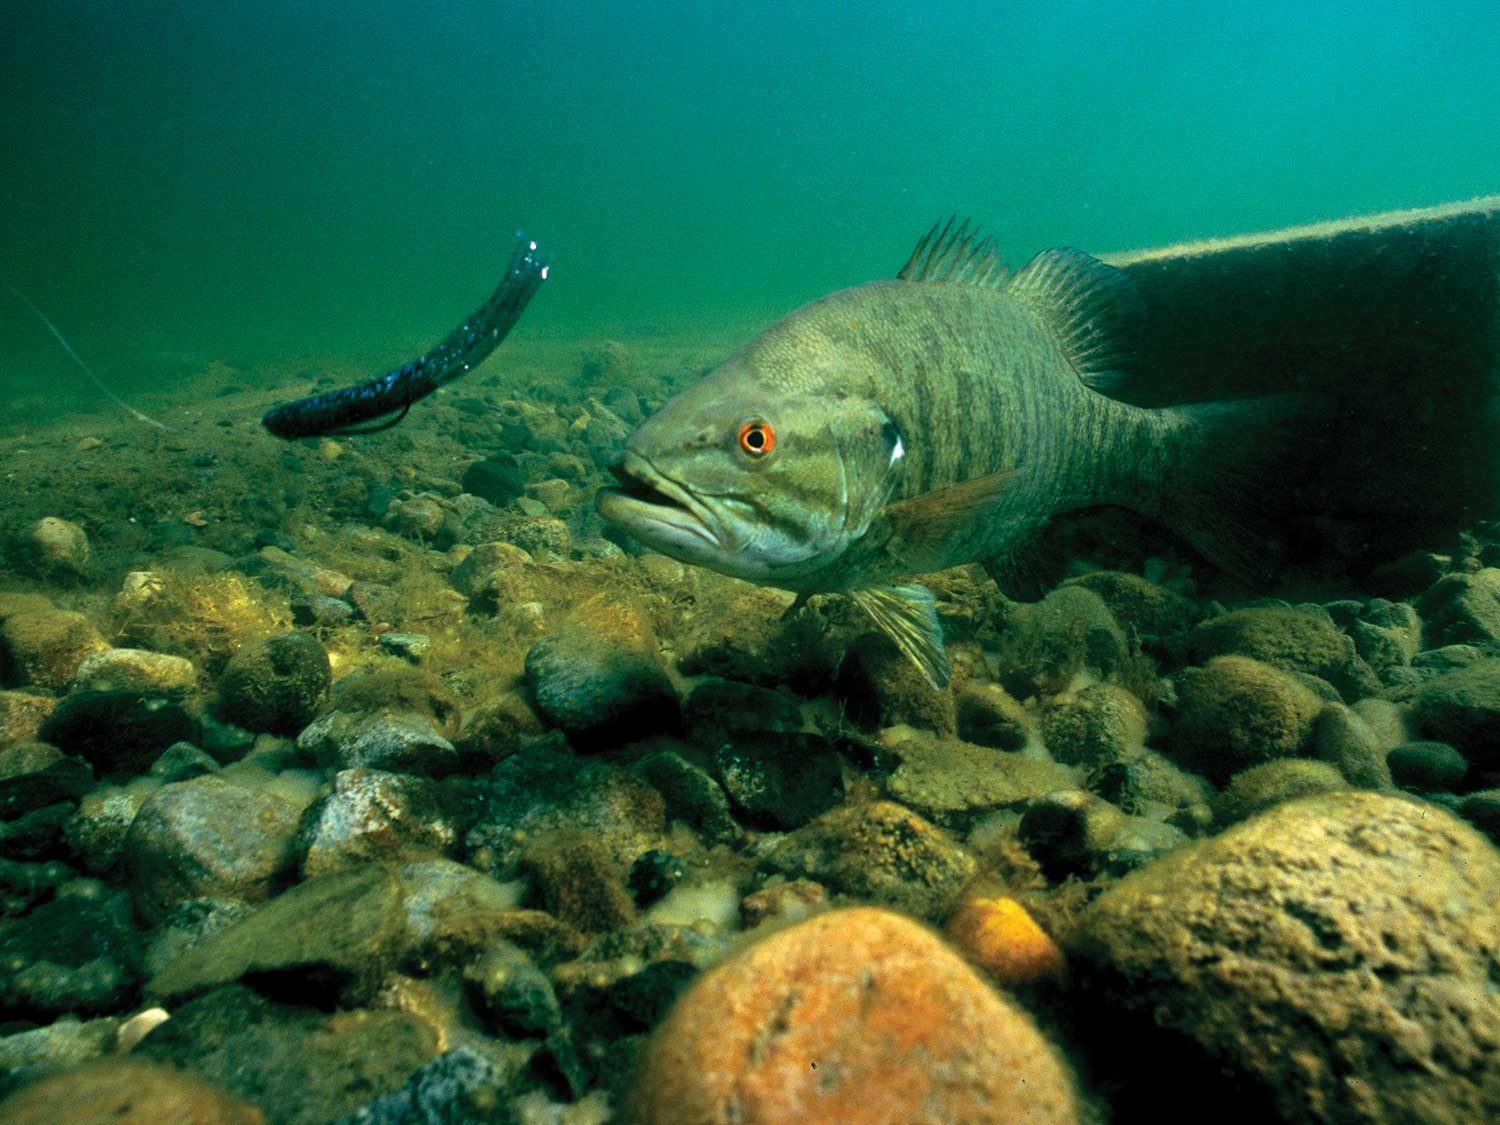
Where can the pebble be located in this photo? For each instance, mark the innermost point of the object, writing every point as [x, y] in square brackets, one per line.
[857, 1016]
[783, 902]
[1270, 783]
[1462, 609]
[878, 852]
[1432, 767]
[43, 648]
[598, 675]
[208, 838]
[134, 669]
[403, 742]
[997, 934]
[1237, 712]
[58, 548]
[412, 647]
[275, 683]
[1462, 708]
[120, 733]
[373, 816]
[126, 1091]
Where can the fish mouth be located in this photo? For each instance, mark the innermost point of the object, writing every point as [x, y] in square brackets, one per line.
[656, 509]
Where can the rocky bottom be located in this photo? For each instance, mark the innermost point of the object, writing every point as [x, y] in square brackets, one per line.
[372, 780]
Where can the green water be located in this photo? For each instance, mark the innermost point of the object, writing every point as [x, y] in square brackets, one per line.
[277, 183]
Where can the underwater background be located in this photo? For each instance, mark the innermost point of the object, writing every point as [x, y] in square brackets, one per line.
[281, 181]
[378, 777]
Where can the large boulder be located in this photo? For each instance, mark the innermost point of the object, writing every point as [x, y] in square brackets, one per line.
[1336, 953]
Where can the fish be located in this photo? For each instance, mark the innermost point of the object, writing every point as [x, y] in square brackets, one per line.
[909, 425]
[353, 410]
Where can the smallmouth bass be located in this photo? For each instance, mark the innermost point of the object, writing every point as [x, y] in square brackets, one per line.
[906, 426]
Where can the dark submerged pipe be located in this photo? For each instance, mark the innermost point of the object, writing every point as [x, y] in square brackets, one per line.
[341, 412]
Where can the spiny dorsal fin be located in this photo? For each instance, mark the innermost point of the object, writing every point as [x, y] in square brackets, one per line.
[946, 253]
[908, 615]
[1092, 308]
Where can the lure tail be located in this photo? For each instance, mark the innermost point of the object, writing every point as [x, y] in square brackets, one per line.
[346, 410]
[138, 415]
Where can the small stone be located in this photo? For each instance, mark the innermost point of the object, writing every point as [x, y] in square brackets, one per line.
[1238, 712]
[879, 686]
[423, 518]
[515, 995]
[691, 795]
[206, 837]
[987, 715]
[127, 1092]
[1103, 723]
[405, 742]
[780, 781]
[878, 852]
[1270, 783]
[653, 874]
[822, 1022]
[408, 646]
[182, 761]
[1462, 708]
[1345, 740]
[21, 715]
[498, 479]
[275, 684]
[119, 732]
[34, 775]
[998, 935]
[598, 675]
[1462, 609]
[956, 782]
[45, 647]
[57, 547]
[372, 816]
[789, 901]
[579, 882]
[1432, 767]
[96, 832]
[1293, 640]
[1045, 645]
[134, 669]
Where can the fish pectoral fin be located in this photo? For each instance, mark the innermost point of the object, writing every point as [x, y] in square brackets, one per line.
[923, 530]
[908, 615]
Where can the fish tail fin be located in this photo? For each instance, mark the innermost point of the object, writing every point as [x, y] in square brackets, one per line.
[1223, 484]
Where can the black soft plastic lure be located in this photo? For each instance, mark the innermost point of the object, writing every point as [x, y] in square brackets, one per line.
[345, 411]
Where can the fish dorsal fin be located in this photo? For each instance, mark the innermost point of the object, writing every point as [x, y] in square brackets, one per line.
[908, 615]
[922, 529]
[1091, 307]
[957, 254]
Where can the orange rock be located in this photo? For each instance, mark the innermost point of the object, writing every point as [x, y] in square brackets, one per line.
[999, 936]
[126, 1092]
[857, 1016]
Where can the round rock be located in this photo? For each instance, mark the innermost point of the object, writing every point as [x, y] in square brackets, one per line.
[853, 1016]
[276, 683]
[1338, 951]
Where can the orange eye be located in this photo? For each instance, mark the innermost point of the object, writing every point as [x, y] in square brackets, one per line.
[757, 438]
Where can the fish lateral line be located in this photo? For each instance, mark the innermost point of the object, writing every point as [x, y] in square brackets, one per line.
[345, 411]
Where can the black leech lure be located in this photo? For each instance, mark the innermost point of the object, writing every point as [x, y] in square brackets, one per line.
[341, 412]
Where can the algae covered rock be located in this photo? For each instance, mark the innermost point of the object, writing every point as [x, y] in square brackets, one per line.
[1462, 609]
[1462, 708]
[373, 815]
[135, 669]
[1295, 640]
[58, 548]
[599, 676]
[275, 684]
[44, 647]
[1237, 712]
[854, 1016]
[1259, 787]
[1045, 645]
[76, 953]
[397, 743]
[1336, 951]
[120, 733]
[1103, 723]
[880, 852]
[953, 782]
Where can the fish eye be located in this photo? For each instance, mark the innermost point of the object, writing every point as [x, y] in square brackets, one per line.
[757, 438]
